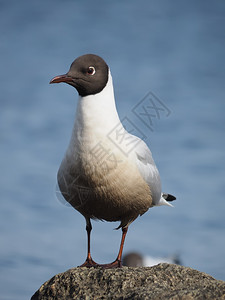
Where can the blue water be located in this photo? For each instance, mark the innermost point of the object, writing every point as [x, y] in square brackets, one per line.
[174, 50]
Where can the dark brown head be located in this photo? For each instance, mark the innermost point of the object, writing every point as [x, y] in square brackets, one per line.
[88, 74]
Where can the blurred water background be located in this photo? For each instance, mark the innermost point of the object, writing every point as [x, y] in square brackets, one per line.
[174, 49]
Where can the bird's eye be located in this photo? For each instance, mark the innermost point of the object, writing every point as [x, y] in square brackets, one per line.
[91, 70]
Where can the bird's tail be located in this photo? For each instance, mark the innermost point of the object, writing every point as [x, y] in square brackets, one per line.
[166, 199]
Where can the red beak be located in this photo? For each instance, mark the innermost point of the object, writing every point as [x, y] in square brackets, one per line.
[61, 78]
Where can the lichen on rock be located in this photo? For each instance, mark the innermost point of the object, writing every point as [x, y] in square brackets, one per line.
[164, 281]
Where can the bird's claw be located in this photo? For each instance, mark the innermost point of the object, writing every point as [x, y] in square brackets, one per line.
[90, 263]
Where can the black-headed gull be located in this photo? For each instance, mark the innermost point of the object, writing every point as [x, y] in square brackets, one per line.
[135, 259]
[100, 176]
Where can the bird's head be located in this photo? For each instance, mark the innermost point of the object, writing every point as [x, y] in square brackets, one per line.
[88, 74]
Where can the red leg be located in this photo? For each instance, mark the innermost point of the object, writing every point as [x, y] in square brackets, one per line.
[118, 262]
[89, 261]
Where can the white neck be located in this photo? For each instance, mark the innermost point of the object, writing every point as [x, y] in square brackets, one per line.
[96, 115]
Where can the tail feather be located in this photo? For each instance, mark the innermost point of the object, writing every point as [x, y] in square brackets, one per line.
[169, 197]
[165, 200]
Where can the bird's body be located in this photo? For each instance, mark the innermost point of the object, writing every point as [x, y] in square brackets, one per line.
[98, 176]
[134, 259]
[95, 176]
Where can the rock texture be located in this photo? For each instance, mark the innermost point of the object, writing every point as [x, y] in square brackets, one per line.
[164, 281]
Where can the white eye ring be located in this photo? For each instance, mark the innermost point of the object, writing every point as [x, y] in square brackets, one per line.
[91, 70]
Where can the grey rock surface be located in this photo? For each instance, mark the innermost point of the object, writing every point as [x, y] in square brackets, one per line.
[164, 281]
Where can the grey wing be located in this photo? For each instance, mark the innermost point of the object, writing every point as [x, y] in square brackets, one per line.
[148, 170]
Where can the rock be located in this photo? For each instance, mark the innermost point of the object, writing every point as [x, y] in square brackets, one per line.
[164, 281]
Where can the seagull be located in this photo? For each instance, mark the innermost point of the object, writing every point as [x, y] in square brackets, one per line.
[135, 259]
[101, 176]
